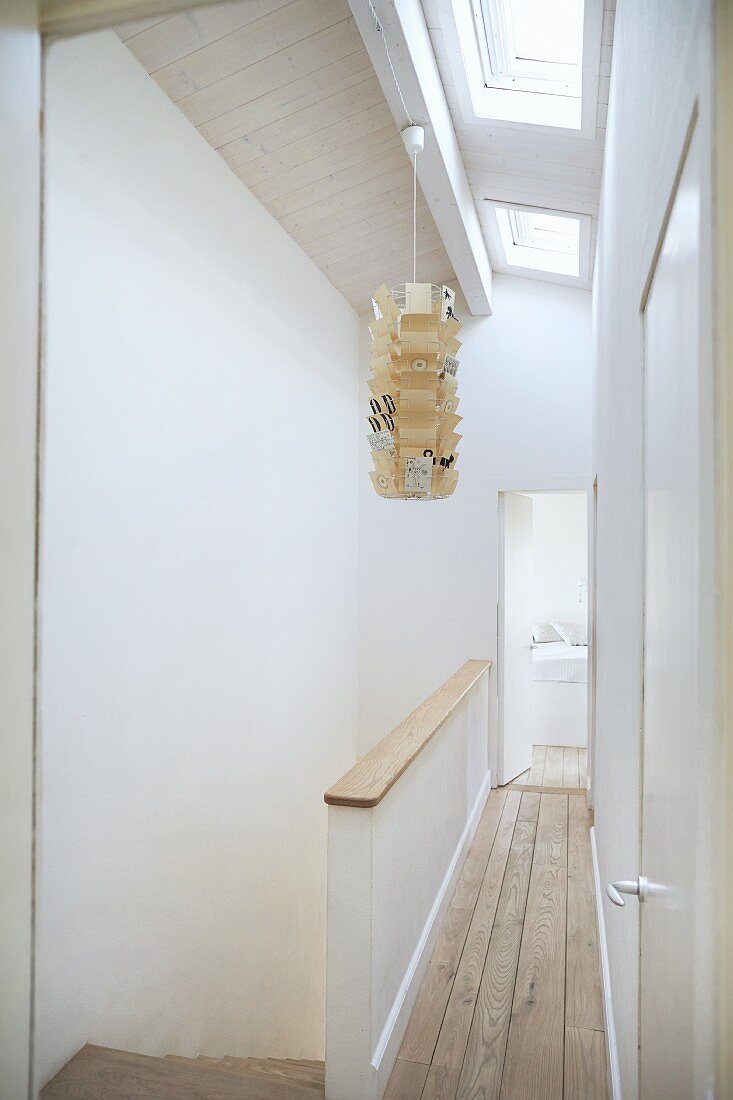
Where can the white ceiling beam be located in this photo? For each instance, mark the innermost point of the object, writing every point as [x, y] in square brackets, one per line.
[440, 166]
[65, 17]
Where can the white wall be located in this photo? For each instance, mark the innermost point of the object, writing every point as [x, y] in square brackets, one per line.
[560, 551]
[20, 84]
[199, 587]
[662, 65]
[428, 586]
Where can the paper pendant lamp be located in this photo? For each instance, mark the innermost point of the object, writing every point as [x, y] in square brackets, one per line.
[413, 414]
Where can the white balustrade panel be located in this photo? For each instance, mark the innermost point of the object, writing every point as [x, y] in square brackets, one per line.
[392, 870]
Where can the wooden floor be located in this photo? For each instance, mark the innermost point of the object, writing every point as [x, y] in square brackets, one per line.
[554, 768]
[511, 1006]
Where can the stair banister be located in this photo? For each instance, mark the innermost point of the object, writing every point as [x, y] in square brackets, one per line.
[400, 824]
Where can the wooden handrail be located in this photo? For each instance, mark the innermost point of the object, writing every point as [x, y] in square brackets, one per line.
[366, 784]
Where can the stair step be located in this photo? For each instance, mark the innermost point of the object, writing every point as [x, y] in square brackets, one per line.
[99, 1073]
[297, 1063]
[311, 1076]
[306, 1063]
[307, 1072]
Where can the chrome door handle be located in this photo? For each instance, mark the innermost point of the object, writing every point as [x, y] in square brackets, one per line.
[638, 886]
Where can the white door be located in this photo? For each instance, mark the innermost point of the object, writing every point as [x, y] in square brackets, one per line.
[516, 580]
[677, 911]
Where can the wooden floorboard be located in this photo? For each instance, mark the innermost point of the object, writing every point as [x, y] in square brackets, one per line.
[544, 790]
[535, 1048]
[421, 1036]
[453, 1036]
[553, 767]
[441, 1083]
[529, 1025]
[537, 771]
[484, 1060]
[586, 1077]
[407, 1081]
[584, 995]
[570, 767]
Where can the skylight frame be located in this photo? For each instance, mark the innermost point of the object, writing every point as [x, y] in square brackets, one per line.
[508, 260]
[511, 107]
[503, 67]
[521, 224]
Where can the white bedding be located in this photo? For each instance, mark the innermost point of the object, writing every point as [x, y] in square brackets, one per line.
[561, 662]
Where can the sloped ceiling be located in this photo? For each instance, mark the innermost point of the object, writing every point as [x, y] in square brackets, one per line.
[285, 92]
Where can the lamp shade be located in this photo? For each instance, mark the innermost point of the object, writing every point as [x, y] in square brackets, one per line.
[413, 417]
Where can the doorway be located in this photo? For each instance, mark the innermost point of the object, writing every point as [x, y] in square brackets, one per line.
[543, 638]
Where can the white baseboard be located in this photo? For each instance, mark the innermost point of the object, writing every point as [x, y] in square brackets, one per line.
[614, 1075]
[387, 1048]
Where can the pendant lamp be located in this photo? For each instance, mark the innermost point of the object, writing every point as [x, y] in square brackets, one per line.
[413, 407]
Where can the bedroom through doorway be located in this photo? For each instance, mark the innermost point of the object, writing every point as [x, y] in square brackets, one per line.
[543, 636]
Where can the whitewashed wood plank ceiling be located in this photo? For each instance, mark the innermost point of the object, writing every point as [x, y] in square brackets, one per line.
[285, 92]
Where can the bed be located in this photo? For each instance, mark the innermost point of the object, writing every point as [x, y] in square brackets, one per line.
[560, 662]
[559, 653]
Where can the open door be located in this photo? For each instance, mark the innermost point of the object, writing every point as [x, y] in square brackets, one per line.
[516, 579]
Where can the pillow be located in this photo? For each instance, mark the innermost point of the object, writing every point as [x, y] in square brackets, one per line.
[544, 632]
[572, 633]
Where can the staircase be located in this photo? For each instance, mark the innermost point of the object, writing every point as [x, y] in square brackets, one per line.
[98, 1073]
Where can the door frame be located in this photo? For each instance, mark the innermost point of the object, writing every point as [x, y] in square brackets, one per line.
[723, 368]
[501, 563]
[20, 275]
[541, 484]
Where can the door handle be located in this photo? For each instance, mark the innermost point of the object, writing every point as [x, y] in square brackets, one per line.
[638, 886]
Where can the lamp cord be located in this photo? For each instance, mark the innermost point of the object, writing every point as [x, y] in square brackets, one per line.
[408, 116]
[414, 217]
[380, 30]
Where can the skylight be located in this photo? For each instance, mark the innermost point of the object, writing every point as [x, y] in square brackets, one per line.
[526, 62]
[548, 33]
[532, 45]
[549, 232]
[537, 241]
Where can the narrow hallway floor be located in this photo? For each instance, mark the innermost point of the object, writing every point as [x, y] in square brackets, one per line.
[555, 768]
[511, 1006]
